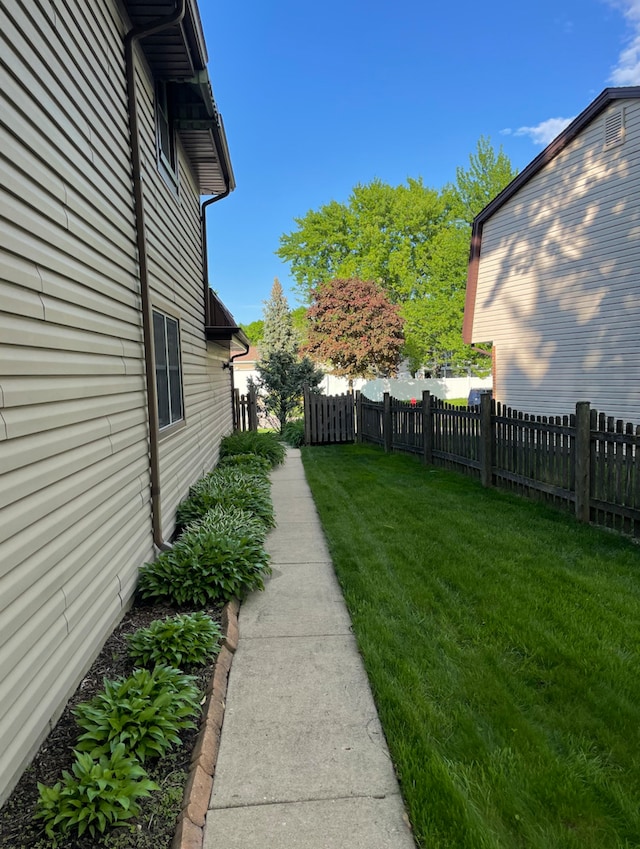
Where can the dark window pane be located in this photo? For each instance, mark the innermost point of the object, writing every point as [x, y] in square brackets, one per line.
[162, 374]
[175, 382]
[165, 127]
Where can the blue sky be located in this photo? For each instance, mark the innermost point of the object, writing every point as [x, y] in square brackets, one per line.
[318, 97]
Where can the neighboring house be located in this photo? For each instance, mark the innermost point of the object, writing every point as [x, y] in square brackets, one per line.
[554, 273]
[114, 391]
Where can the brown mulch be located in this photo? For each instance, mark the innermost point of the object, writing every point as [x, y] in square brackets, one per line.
[155, 826]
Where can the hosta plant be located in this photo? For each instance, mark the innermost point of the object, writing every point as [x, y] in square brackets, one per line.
[211, 561]
[146, 712]
[293, 433]
[251, 442]
[247, 462]
[228, 487]
[181, 641]
[95, 795]
[231, 520]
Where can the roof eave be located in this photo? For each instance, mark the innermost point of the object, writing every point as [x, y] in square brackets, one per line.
[550, 152]
[557, 145]
[180, 55]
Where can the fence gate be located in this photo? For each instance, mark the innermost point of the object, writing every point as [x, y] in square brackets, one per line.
[245, 410]
[328, 418]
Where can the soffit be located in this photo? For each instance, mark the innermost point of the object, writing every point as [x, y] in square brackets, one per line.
[178, 54]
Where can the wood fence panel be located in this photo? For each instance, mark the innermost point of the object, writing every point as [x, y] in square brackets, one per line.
[586, 462]
[245, 410]
[329, 419]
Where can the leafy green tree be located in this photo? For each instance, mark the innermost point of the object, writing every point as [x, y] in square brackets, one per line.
[354, 326]
[254, 330]
[278, 333]
[411, 240]
[382, 234]
[488, 173]
[433, 318]
[299, 321]
[281, 381]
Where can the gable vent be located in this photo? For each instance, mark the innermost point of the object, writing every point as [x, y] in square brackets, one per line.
[614, 129]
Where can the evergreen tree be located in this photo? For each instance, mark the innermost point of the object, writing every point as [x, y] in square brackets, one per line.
[281, 382]
[278, 333]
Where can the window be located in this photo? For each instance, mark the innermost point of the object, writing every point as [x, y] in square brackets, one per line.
[166, 340]
[165, 130]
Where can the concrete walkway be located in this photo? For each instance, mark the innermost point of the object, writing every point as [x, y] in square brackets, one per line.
[303, 763]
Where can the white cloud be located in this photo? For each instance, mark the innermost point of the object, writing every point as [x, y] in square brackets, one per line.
[627, 69]
[545, 131]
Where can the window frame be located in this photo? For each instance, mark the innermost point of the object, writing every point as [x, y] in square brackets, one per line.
[166, 136]
[167, 355]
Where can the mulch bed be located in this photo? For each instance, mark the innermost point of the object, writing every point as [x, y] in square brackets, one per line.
[155, 826]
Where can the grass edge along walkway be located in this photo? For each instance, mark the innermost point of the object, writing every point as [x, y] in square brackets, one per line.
[501, 641]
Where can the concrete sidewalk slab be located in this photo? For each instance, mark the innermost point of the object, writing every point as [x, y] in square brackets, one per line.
[298, 508]
[309, 603]
[309, 730]
[303, 763]
[301, 542]
[329, 685]
[360, 823]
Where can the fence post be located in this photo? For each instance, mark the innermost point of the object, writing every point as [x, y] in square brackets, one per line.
[583, 461]
[486, 440]
[307, 415]
[427, 428]
[386, 423]
[236, 409]
[358, 416]
[253, 409]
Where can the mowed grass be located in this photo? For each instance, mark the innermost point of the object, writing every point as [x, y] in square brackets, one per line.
[501, 639]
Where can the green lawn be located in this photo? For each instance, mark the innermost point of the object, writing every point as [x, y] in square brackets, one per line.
[502, 641]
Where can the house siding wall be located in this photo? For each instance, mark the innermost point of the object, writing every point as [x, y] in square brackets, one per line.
[75, 514]
[174, 241]
[74, 482]
[559, 279]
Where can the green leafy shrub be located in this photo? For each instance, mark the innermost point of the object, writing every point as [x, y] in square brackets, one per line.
[251, 463]
[293, 433]
[232, 520]
[146, 712]
[100, 794]
[216, 558]
[184, 640]
[265, 445]
[228, 487]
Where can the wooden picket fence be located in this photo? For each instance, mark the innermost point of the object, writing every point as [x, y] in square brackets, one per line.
[586, 462]
[328, 419]
[245, 410]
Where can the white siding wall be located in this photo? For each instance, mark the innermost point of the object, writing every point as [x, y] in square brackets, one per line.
[559, 283]
[74, 477]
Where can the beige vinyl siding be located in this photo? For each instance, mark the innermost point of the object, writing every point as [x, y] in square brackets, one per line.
[75, 513]
[559, 279]
[174, 242]
[74, 479]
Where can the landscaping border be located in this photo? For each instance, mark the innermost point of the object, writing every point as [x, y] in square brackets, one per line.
[197, 793]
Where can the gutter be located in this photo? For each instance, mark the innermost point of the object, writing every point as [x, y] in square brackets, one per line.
[131, 40]
[229, 181]
[205, 257]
